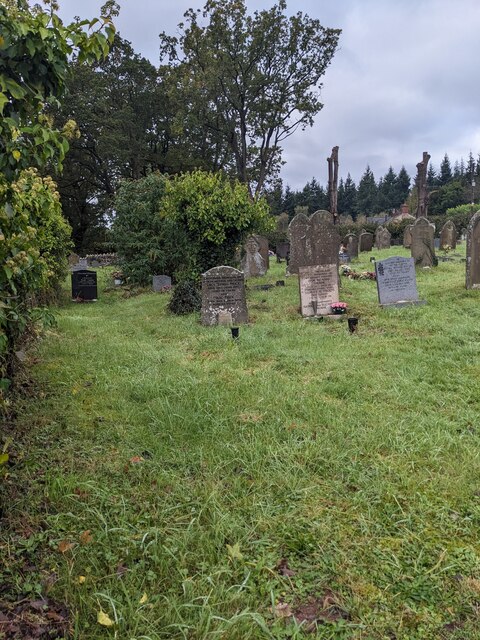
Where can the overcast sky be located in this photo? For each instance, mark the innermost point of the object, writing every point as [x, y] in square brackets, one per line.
[406, 79]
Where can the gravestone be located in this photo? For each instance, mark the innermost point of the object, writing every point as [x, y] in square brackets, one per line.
[365, 241]
[84, 285]
[160, 282]
[282, 250]
[253, 264]
[407, 236]
[223, 290]
[436, 243]
[397, 282]
[313, 241]
[448, 235]
[473, 253]
[318, 289]
[423, 243]
[263, 250]
[383, 238]
[350, 242]
[73, 259]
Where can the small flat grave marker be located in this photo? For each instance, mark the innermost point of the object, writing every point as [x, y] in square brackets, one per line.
[84, 285]
[318, 289]
[223, 290]
[396, 282]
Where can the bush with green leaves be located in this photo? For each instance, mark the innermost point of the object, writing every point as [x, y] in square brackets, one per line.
[186, 298]
[147, 244]
[34, 246]
[217, 214]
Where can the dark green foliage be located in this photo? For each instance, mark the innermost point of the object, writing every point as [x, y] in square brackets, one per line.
[367, 193]
[146, 243]
[347, 197]
[445, 197]
[445, 171]
[397, 230]
[186, 298]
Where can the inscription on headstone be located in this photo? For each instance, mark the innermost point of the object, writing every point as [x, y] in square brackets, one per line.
[396, 281]
[223, 290]
[423, 243]
[84, 285]
[473, 253]
[318, 289]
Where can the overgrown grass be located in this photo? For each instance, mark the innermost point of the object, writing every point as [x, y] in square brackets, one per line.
[191, 486]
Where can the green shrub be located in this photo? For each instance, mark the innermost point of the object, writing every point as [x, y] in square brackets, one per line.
[147, 244]
[34, 246]
[216, 215]
[186, 298]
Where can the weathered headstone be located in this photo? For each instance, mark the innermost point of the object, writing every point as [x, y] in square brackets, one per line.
[473, 253]
[253, 264]
[383, 238]
[84, 285]
[318, 289]
[73, 259]
[350, 242]
[365, 241]
[407, 236]
[160, 282]
[448, 235]
[282, 250]
[264, 250]
[83, 262]
[396, 282]
[313, 241]
[223, 290]
[423, 243]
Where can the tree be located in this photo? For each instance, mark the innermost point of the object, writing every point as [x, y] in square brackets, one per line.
[347, 197]
[253, 80]
[445, 171]
[388, 191]
[35, 59]
[367, 193]
[432, 178]
[403, 187]
[217, 214]
[117, 105]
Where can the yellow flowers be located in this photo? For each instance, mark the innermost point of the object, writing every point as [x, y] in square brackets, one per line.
[16, 154]
[104, 619]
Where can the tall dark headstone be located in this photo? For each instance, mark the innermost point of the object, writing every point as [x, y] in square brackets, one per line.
[84, 285]
[223, 291]
[365, 241]
[448, 235]
[473, 253]
[313, 241]
[423, 243]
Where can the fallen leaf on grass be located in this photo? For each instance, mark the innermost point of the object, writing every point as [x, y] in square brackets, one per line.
[104, 619]
[65, 546]
[81, 579]
[86, 537]
[121, 570]
[283, 610]
[136, 459]
[143, 599]
[234, 551]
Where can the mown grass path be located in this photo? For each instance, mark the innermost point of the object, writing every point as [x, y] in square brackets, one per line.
[301, 483]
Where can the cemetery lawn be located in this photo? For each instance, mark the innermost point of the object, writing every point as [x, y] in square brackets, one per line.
[300, 483]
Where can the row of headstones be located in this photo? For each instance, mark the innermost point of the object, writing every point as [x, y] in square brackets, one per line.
[223, 288]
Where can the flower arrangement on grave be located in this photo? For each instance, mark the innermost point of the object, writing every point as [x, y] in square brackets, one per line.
[348, 272]
[338, 307]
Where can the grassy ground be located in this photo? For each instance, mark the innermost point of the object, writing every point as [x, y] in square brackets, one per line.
[301, 483]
